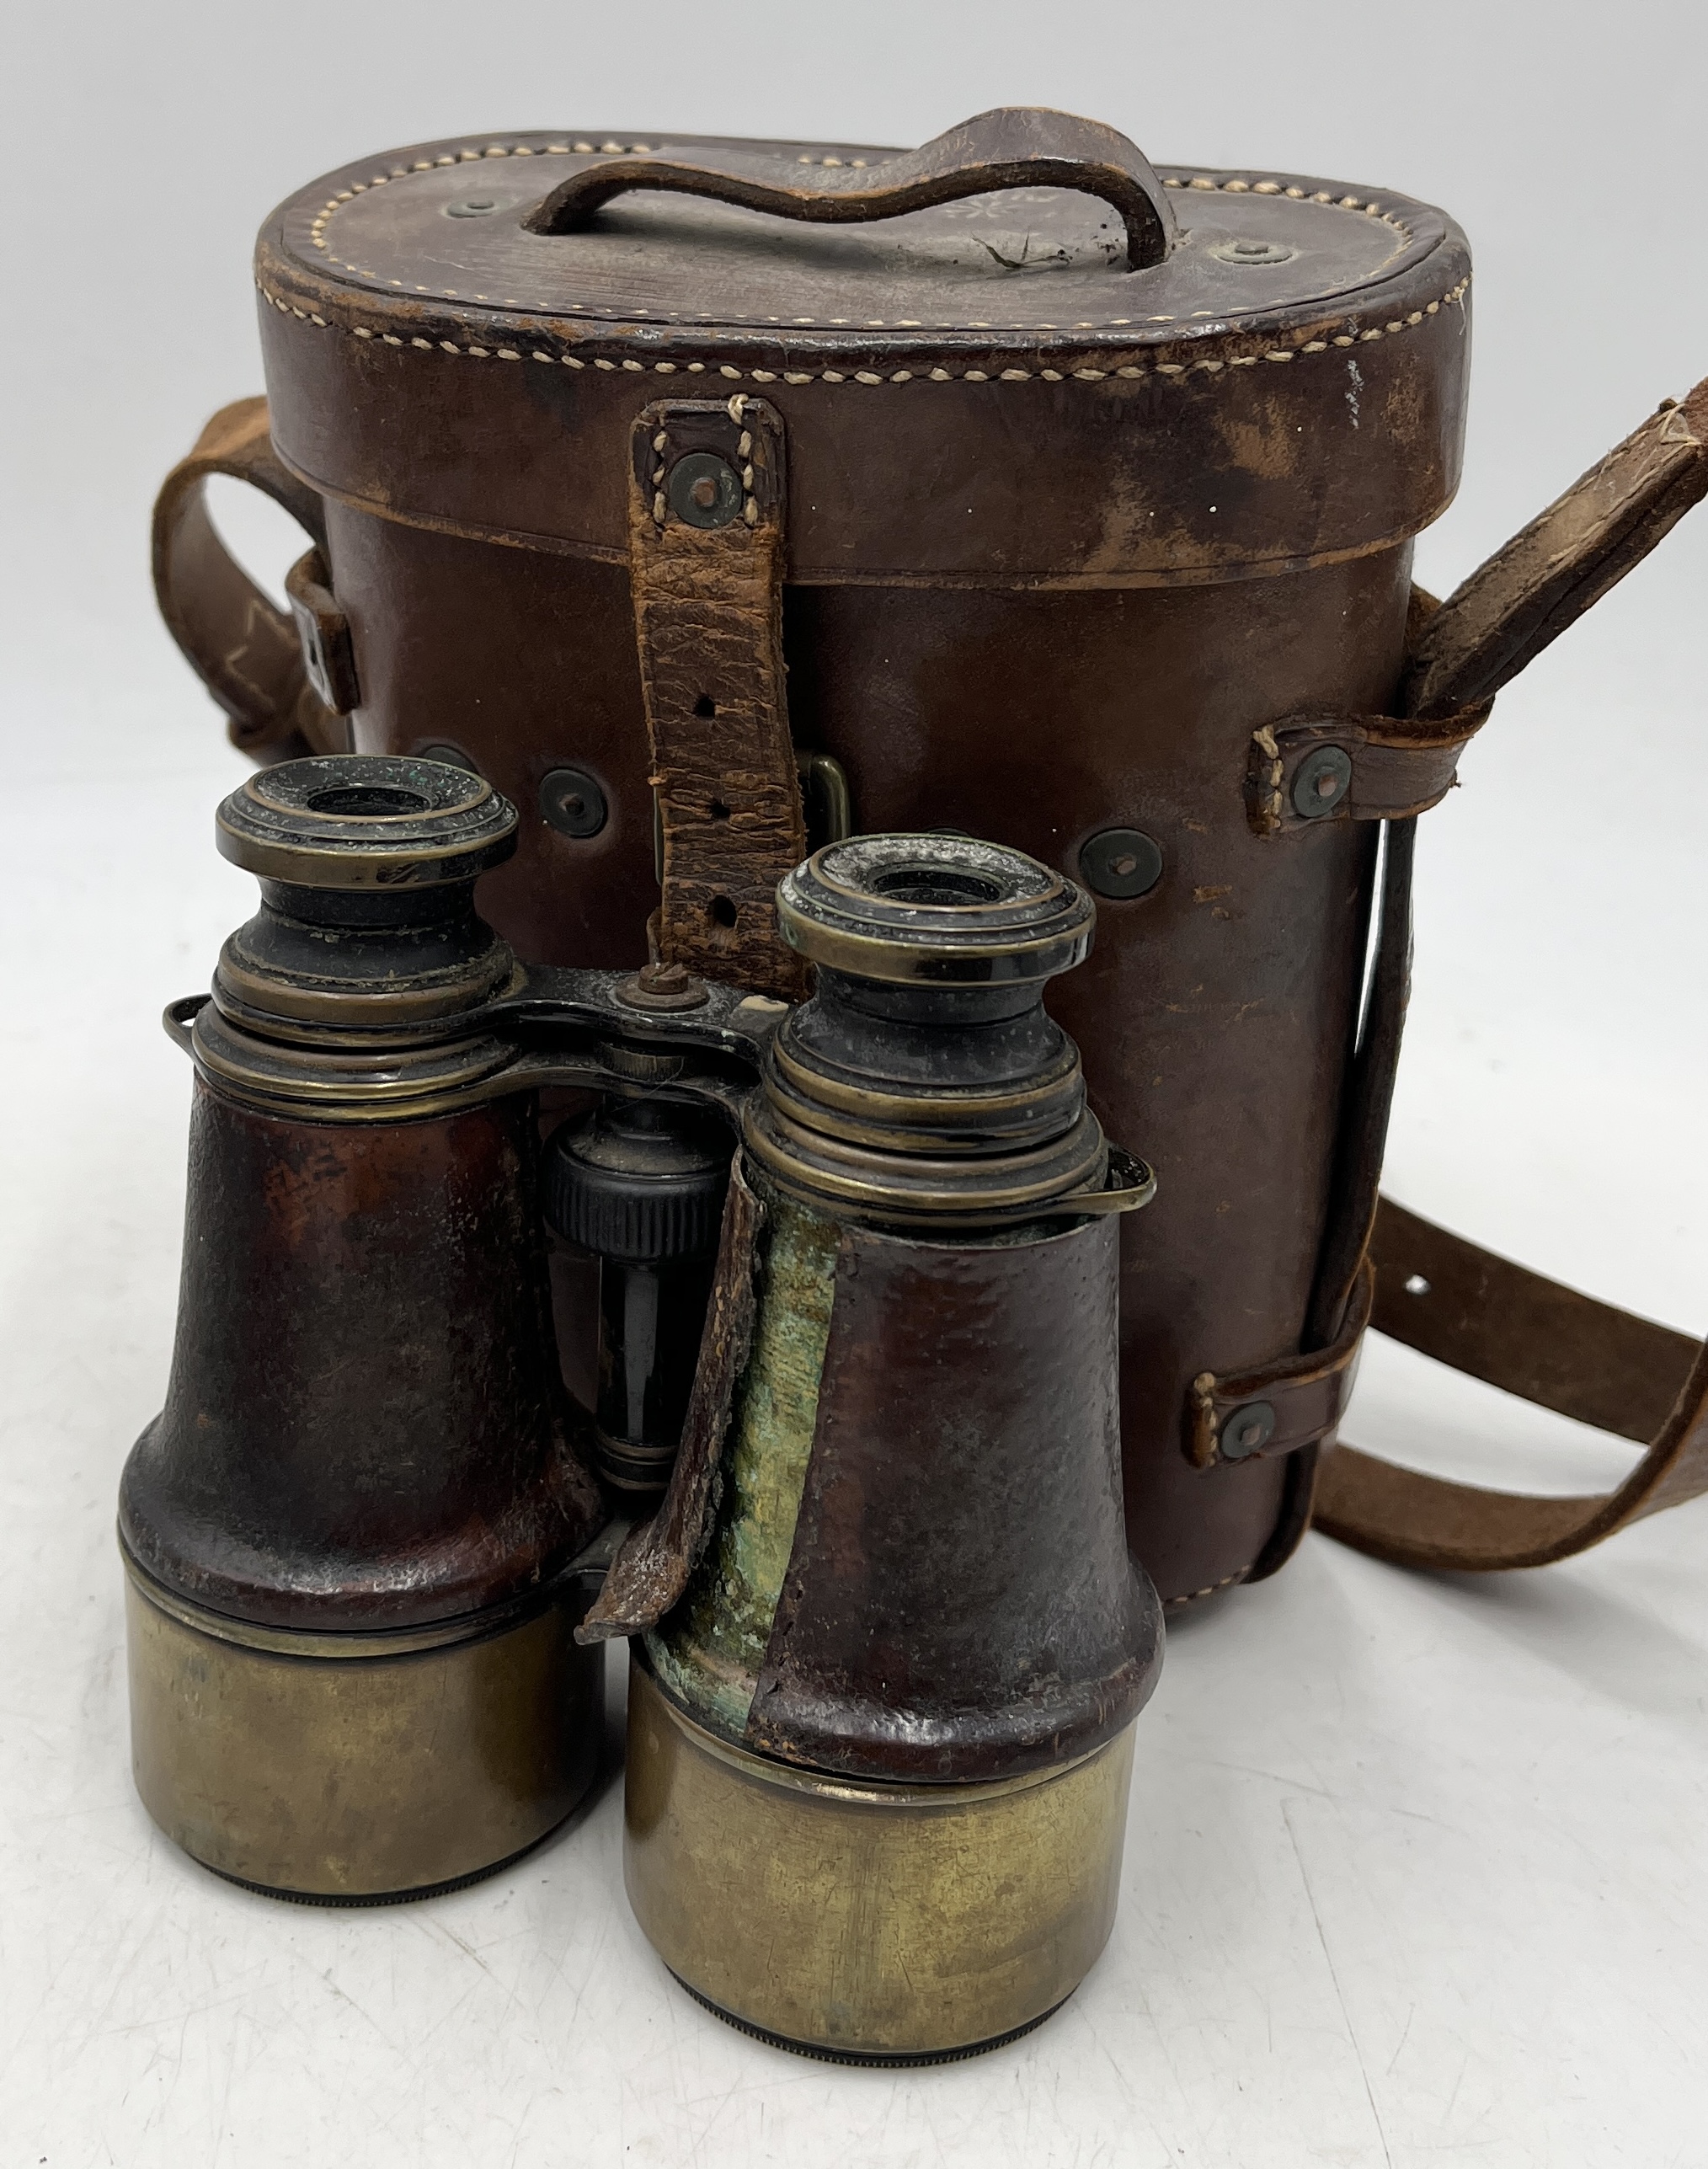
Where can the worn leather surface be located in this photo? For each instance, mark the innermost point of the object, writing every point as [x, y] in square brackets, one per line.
[1012, 148]
[1015, 258]
[364, 1427]
[1400, 766]
[1013, 498]
[1475, 1311]
[1215, 1014]
[973, 392]
[959, 1603]
[322, 633]
[1531, 1336]
[245, 650]
[1306, 1395]
[1566, 560]
[708, 627]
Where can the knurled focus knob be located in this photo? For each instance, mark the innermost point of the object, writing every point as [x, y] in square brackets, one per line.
[640, 1183]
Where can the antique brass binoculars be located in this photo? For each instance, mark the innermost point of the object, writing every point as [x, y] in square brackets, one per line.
[852, 1487]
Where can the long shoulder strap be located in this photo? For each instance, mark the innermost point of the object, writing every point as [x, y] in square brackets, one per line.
[1531, 1336]
[1434, 1291]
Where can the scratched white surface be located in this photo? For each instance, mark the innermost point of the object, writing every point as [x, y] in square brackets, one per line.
[1416, 1876]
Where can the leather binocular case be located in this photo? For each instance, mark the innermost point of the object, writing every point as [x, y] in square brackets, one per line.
[889, 1635]
[711, 499]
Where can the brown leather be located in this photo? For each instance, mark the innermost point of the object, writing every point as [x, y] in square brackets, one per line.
[1051, 560]
[322, 631]
[1038, 718]
[246, 652]
[1300, 1399]
[1463, 650]
[1499, 1322]
[1014, 146]
[708, 624]
[1530, 1336]
[940, 1465]
[1400, 766]
[364, 1427]
[1567, 559]
[651, 1570]
[974, 393]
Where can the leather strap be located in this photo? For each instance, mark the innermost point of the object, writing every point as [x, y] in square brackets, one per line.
[1281, 1406]
[1387, 768]
[1013, 147]
[322, 631]
[1531, 1336]
[1566, 560]
[1434, 1291]
[651, 1569]
[1510, 609]
[706, 502]
[1353, 1194]
[246, 652]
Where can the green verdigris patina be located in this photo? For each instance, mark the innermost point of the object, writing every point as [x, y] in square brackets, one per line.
[708, 1650]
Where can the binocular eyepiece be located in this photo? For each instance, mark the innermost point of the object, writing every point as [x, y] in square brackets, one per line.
[851, 1486]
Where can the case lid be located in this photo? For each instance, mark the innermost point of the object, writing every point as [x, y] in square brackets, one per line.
[1116, 375]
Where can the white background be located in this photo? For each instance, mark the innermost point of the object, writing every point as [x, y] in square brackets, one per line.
[1417, 1866]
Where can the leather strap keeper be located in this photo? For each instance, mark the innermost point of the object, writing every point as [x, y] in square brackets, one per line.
[1280, 1407]
[328, 660]
[1392, 766]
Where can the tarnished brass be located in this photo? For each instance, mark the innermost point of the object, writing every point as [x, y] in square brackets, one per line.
[842, 1106]
[355, 1766]
[387, 1084]
[937, 935]
[865, 1922]
[909, 1190]
[966, 913]
[354, 805]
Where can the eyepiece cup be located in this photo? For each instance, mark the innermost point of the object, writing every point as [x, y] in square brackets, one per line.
[355, 821]
[934, 910]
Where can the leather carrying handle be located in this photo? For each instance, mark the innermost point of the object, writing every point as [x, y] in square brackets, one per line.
[247, 653]
[1437, 1292]
[1013, 147]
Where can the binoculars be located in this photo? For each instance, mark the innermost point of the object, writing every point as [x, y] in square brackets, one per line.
[851, 1485]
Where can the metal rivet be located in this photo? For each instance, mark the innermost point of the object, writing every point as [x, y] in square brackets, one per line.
[664, 986]
[453, 757]
[1320, 781]
[572, 803]
[476, 207]
[1254, 252]
[1122, 862]
[703, 489]
[1417, 1285]
[1246, 1430]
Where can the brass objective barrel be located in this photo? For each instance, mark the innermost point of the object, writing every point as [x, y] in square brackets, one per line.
[349, 1535]
[880, 1742]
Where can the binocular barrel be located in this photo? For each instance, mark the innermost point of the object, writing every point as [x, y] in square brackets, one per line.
[348, 1533]
[854, 1467]
[879, 1748]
